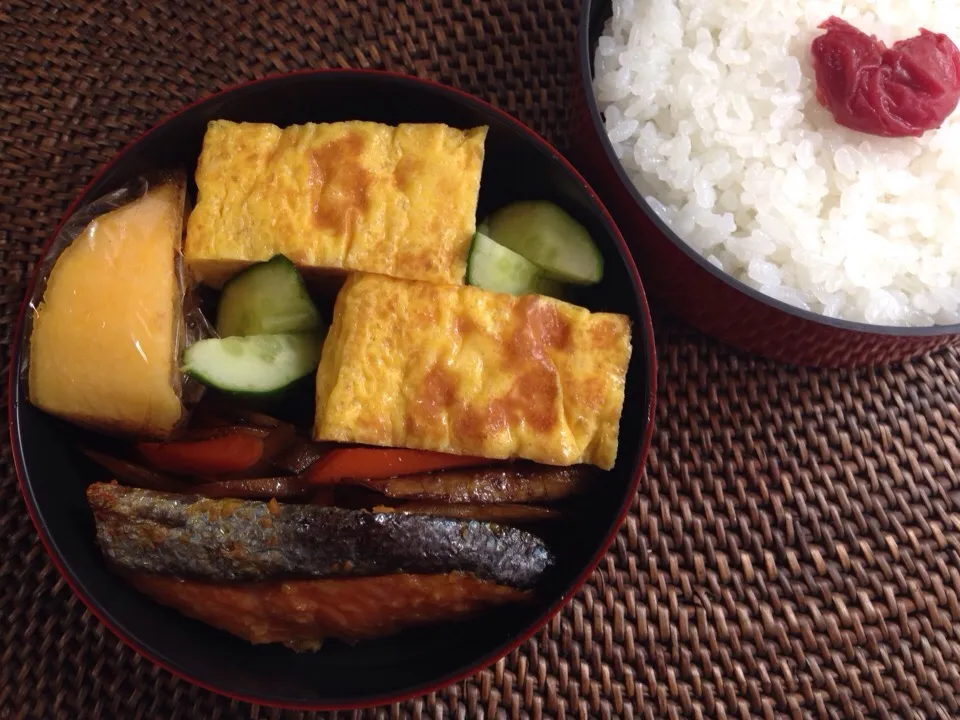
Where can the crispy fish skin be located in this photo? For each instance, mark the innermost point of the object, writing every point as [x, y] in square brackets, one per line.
[495, 485]
[302, 613]
[239, 540]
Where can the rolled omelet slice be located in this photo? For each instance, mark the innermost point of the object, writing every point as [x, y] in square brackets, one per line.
[103, 346]
[461, 370]
[356, 195]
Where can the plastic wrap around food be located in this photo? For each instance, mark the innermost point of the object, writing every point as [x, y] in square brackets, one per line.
[110, 314]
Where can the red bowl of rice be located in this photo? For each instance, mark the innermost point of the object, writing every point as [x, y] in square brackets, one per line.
[752, 214]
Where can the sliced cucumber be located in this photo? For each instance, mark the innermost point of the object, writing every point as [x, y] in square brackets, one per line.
[253, 365]
[493, 267]
[268, 298]
[549, 238]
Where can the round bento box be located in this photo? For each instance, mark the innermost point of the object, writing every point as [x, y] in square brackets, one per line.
[54, 474]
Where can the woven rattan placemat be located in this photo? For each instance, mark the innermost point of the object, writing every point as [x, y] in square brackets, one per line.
[793, 548]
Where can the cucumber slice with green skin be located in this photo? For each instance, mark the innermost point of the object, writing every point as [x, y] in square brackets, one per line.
[268, 298]
[549, 238]
[493, 267]
[254, 365]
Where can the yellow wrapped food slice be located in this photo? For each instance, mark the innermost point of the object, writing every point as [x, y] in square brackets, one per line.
[461, 370]
[103, 348]
[400, 201]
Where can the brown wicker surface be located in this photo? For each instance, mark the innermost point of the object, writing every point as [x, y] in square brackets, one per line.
[793, 549]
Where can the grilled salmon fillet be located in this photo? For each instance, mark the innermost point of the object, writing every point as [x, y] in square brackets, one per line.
[302, 613]
[245, 540]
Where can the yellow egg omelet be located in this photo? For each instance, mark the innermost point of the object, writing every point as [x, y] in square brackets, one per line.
[103, 349]
[461, 370]
[355, 195]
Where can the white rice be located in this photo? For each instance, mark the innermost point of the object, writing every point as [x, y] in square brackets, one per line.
[710, 106]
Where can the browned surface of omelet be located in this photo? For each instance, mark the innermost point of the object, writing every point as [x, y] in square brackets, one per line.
[458, 369]
[355, 195]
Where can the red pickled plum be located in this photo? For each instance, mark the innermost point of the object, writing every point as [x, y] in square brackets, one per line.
[902, 91]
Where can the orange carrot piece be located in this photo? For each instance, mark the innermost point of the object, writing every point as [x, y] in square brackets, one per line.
[375, 463]
[235, 452]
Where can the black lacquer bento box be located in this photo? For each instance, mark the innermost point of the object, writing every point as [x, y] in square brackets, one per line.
[54, 474]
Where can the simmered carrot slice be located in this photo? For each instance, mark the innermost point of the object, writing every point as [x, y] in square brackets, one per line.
[231, 453]
[373, 463]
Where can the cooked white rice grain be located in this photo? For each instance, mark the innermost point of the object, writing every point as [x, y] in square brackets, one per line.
[710, 106]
